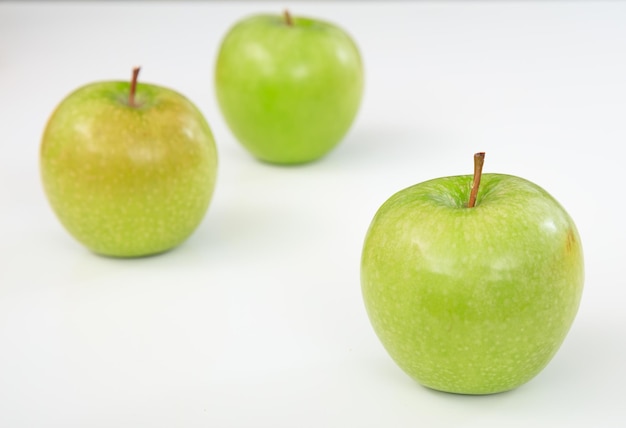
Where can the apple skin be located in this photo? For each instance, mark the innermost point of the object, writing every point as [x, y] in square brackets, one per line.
[128, 181]
[472, 300]
[288, 93]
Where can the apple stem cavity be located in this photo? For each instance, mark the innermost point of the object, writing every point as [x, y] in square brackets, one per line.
[288, 18]
[133, 88]
[479, 161]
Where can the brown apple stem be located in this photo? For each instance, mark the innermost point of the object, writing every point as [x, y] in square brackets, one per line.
[479, 160]
[288, 18]
[133, 87]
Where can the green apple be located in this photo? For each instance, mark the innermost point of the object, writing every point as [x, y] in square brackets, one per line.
[289, 88]
[472, 297]
[128, 168]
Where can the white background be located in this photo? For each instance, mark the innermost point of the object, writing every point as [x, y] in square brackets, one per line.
[257, 320]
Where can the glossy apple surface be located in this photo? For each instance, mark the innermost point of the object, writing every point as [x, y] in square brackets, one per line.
[128, 180]
[472, 300]
[288, 91]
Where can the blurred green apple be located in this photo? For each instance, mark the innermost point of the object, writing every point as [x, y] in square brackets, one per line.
[128, 168]
[472, 298]
[289, 88]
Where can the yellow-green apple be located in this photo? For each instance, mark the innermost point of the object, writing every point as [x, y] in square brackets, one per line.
[472, 285]
[128, 168]
[288, 87]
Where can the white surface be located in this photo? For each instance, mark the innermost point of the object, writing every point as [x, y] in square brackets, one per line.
[257, 320]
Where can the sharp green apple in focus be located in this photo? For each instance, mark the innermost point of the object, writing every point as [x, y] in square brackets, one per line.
[128, 168]
[289, 87]
[472, 298]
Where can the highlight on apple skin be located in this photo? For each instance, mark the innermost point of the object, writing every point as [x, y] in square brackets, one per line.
[289, 87]
[128, 168]
[472, 300]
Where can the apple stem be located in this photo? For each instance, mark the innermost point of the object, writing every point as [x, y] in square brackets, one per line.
[133, 87]
[479, 160]
[288, 18]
